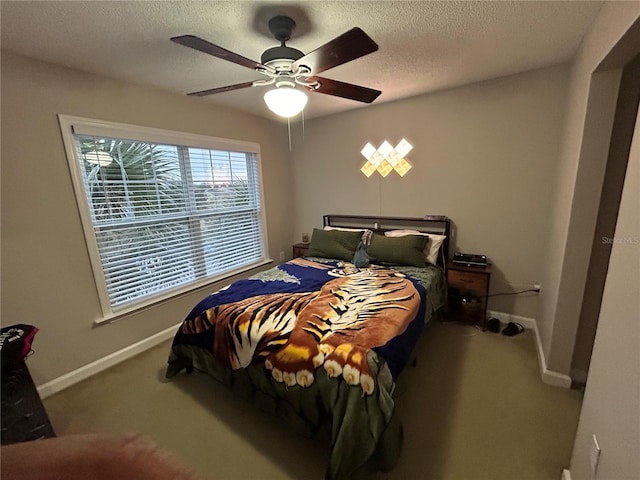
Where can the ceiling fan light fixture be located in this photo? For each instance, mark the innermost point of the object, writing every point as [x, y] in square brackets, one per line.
[285, 101]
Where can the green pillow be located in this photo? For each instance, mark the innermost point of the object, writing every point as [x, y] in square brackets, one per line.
[336, 244]
[407, 250]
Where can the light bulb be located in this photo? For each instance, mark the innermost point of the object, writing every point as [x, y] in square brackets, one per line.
[285, 101]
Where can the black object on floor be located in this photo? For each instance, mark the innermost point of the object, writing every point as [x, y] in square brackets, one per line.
[23, 416]
[493, 325]
[512, 329]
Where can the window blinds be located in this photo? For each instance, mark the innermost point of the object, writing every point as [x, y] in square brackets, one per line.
[167, 216]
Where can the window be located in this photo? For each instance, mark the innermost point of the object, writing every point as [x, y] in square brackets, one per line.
[163, 212]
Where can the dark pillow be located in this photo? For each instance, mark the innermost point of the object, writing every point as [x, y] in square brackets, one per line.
[407, 250]
[336, 244]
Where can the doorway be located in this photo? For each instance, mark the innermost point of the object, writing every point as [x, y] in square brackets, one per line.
[624, 120]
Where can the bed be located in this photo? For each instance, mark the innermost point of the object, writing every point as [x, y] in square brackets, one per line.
[321, 342]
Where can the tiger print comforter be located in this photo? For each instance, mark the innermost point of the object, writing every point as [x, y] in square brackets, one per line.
[324, 341]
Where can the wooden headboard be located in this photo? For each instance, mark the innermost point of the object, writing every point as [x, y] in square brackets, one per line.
[428, 224]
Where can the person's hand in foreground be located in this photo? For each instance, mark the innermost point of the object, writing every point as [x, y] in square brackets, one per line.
[92, 456]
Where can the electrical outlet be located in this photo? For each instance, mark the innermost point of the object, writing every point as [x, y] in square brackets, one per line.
[594, 455]
[282, 256]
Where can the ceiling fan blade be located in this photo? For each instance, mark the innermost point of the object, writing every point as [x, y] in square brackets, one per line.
[228, 88]
[344, 90]
[201, 45]
[348, 46]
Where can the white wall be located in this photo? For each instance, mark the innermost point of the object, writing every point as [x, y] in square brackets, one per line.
[46, 272]
[484, 155]
[611, 406]
[579, 175]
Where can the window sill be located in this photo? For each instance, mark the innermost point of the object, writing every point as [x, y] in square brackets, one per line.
[155, 302]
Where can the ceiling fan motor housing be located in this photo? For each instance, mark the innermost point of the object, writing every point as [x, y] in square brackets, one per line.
[281, 28]
[280, 53]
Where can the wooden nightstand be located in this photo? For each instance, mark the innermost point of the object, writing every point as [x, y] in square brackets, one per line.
[468, 292]
[300, 249]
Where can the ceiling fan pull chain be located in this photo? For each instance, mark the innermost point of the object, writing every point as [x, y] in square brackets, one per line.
[289, 129]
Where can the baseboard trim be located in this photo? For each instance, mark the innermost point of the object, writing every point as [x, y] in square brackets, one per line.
[566, 474]
[65, 381]
[548, 376]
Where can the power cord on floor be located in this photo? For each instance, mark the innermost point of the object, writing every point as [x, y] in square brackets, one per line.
[536, 290]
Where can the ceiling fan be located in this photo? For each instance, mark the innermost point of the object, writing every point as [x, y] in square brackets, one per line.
[288, 67]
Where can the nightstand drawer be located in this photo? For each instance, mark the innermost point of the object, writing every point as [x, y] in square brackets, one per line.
[467, 280]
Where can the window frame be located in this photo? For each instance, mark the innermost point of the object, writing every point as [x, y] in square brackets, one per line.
[72, 125]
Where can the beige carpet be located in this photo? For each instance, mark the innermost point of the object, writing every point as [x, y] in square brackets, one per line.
[473, 408]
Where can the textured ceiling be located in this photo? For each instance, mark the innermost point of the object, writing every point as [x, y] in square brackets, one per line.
[424, 46]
